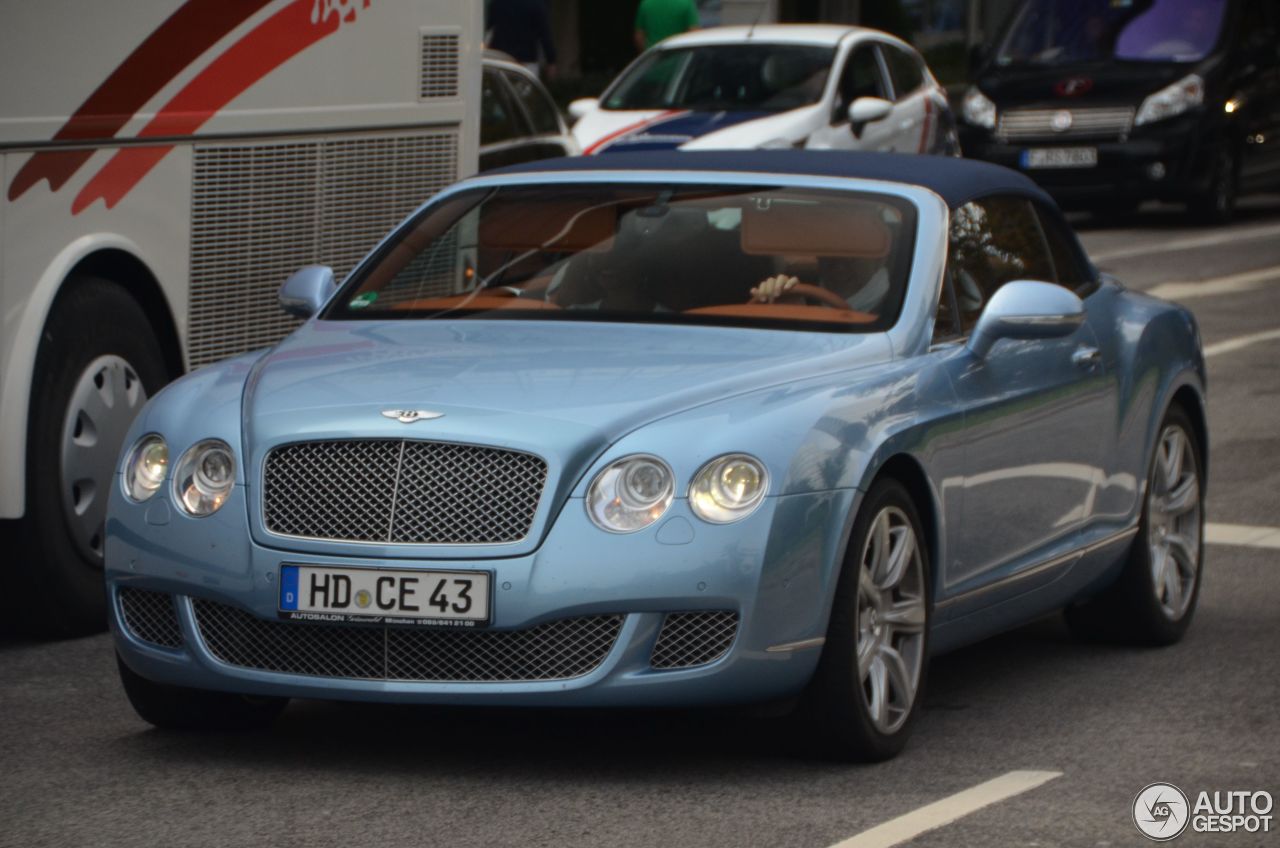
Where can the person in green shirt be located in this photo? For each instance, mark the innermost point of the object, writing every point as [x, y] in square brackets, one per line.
[658, 19]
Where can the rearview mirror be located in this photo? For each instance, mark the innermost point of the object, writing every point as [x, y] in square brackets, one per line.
[865, 110]
[1026, 309]
[582, 106]
[307, 290]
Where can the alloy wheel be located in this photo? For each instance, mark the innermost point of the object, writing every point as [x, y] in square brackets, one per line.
[1173, 522]
[891, 619]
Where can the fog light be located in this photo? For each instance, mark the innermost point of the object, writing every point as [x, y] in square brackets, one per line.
[1156, 170]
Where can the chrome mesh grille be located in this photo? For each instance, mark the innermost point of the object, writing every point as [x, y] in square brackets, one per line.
[693, 638]
[557, 650]
[438, 65]
[151, 616]
[401, 492]
[1020, 124]
[261, 211]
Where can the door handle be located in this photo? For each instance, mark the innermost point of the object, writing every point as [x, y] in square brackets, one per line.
[1086, 357]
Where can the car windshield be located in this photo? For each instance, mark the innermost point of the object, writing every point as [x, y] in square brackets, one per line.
[1052, 32]
[738, 77]
[675, 254]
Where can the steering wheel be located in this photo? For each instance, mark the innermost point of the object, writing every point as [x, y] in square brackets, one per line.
[824, 296]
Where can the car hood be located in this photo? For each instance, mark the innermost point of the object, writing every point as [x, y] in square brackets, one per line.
[562, 390]
[600, 377]
[1079, 85]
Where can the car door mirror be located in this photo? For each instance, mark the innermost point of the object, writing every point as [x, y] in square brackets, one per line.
[580, 107]
[1026, 309]
[307, 290]
[865, 110]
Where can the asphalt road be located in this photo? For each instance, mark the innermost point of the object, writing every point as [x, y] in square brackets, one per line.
[77, 767]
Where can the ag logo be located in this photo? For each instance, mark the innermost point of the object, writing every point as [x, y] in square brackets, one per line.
[1161, 812]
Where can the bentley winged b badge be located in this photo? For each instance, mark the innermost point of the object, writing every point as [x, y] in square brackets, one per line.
[408, 416]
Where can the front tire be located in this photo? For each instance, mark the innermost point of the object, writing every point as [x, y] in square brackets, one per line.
[1218, 205]
[97, 363]
[865, 695]
[1155, 596]
[179, 708]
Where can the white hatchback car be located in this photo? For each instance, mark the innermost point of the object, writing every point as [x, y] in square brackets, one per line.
[802, 86]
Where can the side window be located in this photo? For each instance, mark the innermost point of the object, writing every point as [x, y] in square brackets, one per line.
[498, 119]
[993, 241]
[905, 68]
[1070, 270]
[541, 111]
[860, 78]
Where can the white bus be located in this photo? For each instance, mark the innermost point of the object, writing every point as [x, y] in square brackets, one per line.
[164, 165]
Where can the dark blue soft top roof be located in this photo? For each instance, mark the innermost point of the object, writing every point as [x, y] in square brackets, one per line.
[957, 181]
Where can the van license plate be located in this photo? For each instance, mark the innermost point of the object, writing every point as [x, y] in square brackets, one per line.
[1060, 157]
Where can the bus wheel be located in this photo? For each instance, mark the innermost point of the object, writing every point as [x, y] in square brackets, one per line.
[97, 363]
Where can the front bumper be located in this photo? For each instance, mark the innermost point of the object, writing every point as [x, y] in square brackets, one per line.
[775, 572]
[1180, 150]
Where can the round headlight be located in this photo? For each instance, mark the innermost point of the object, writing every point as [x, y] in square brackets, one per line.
[204, 477]
[145, 470]
[728, 488]
[630, 494]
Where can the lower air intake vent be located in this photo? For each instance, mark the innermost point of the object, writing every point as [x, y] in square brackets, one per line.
[693, 638]
[151, 617]
[557, 650]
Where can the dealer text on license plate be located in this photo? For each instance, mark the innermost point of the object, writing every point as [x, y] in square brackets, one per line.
[1060, 157]
[391, 596]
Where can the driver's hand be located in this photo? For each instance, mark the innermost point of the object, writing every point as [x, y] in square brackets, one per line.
[773, 288]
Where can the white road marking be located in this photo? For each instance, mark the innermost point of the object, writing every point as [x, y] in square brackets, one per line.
[939, 813]
[1230, 284]
[1240, 341]
[1243, 535]
[1188, 243]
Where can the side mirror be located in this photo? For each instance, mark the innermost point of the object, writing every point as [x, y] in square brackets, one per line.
[1025, 309]
[865, 110]
[307, 290]
[582, 106]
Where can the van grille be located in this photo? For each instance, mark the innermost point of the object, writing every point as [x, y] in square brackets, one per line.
[1099, 123]
[261, 211]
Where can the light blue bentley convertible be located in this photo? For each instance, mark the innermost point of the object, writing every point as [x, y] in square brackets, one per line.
[668, 429]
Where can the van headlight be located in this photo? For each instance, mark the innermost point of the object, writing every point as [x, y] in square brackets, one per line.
[728, 488]
[630, 494]
[1171, 100]
[204, 477]
[145, 469]
[978, 108]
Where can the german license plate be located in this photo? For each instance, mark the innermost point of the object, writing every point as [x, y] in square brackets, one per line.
[1060, 157]
[385, 595]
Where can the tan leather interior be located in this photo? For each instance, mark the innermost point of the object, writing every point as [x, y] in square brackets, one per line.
[818, 229]
[785, 312]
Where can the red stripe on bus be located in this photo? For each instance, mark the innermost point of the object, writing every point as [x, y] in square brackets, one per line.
[273, 42]
[603, 141]
[195, 27]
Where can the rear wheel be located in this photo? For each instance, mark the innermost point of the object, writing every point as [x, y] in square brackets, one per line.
[180, 708]
[97, 363]
[865, 694]
[1153, 600]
